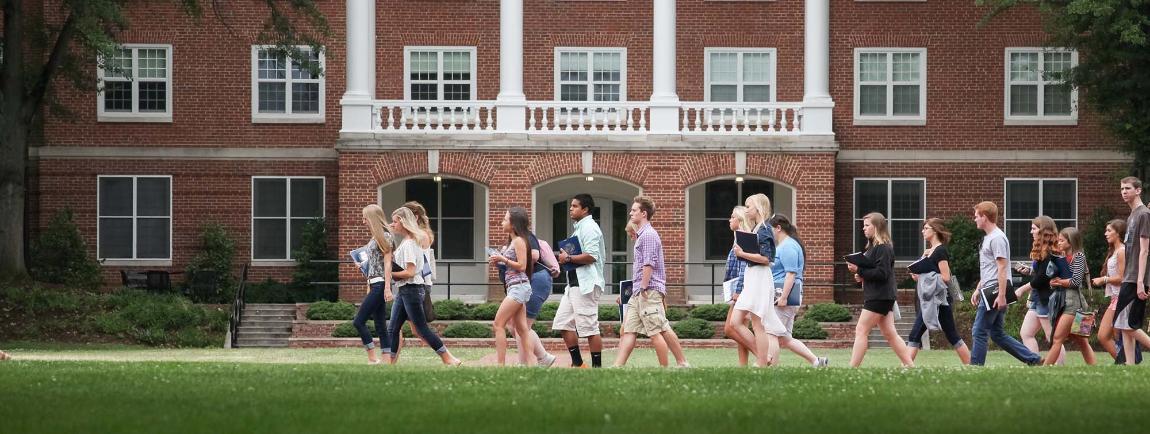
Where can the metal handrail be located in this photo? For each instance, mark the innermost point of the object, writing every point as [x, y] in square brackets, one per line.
[237, 307]
[715, 285]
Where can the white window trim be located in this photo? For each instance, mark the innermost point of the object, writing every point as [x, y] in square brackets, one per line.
[135, 115]
[287, 260]
[159, 262]
[890, 120]
[857, 219]
[440, 82]
[773, 82]
[1041, 197]
[288, 117]
[1040, 119]
[591, 72]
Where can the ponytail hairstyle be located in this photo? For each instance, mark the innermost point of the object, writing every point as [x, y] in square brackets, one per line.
[411, 225]
[521, 226]
[377, 225]
[939, 229]
[785, 225]
[424, 222]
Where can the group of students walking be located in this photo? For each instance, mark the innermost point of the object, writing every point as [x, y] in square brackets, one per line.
[765, 286]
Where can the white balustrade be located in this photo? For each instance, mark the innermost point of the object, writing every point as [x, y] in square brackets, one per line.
[741, 118]
[587, 118]
[434, 116]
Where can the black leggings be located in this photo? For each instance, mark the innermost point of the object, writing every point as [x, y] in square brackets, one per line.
[945, 319]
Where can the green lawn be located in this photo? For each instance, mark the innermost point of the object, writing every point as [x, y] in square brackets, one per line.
[61, 388]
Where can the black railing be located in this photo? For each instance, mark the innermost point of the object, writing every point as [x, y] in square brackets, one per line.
[238, 307]
[714, 280]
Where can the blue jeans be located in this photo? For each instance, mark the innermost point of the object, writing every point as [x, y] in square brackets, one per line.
[375, 307]
[989, 324]
[540, 290]
[409, 306]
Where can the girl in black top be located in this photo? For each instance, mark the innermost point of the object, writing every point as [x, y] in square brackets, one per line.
[938, 261]
[878, 292]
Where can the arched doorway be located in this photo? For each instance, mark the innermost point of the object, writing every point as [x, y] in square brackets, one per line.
[612, 201]
[709, 238]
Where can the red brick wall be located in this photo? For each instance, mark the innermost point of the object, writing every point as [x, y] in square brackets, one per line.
[664, 177]
[202, 192]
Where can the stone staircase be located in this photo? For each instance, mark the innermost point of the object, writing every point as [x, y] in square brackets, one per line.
[265, 325]
[876, 339]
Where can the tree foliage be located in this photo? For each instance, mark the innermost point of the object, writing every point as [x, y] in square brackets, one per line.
[1113, 72]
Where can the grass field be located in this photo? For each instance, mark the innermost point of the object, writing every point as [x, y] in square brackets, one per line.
[54, 388]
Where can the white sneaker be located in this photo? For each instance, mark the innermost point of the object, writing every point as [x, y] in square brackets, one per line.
[822, 362]
[548, 361]
[683, 365]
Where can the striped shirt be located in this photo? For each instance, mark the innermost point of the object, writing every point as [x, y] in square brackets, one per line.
[1078, 271]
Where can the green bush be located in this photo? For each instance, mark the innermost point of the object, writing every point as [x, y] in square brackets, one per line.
[347, 330]
[485, 311]
[162, 320]
[609, 312]
[710, 312]
[467, 329]
[807, 328]
[676, 314]
[216, 252]
[35, 300]
[452, 310]
[1094, 238]
[694, 328]
[964, 244]
[329, 311]
[59, 255]
[547, 311]
[313, 247]
[112, 324]
[268, 291]
[828, 312]
[544, 330]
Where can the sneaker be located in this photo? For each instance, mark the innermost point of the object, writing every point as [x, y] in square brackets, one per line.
[822, 362]
[683, 365]
[547, 361]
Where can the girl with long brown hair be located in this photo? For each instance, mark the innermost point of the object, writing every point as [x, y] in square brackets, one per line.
[878, 292]
[1115, 268]
[937, 258]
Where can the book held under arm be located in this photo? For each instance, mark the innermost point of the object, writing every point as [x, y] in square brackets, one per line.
[748, 241]
[921, 266]
[573, 248]
[989, 293]
[860, 260]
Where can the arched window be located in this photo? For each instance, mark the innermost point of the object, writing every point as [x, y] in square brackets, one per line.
[451, 208]
[721, 196]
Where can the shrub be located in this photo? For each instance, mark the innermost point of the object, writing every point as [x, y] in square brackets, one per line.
[467, 330]
[162, 319]
[547, 311]
[694, 328]
[112, 324]
[710, 312]
[544, 330]
[1094, 238]
[35, 300]
[60, 255]
[268, 291]
[452, 310]
[676, 314]
[313, 247]
[485, 311]
[609, 312]
[828, 312]
[807, 328]
[217, 250]
[329, 311]
[964, 243]
[347, 330]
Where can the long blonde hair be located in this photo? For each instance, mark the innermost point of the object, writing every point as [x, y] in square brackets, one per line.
[762, 205]
[377, 225]
[740, 212]
[424, 222]
[411, 225]
[881, 231]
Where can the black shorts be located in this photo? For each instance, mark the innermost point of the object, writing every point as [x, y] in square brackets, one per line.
[1128, 297]
[881, 307]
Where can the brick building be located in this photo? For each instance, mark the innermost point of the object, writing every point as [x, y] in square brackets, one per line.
[831, 108]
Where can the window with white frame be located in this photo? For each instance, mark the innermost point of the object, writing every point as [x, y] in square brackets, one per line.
[721, 196]
[450, 205]
[134, 217]
[890, 86]
[439, 73]
[136, 84]
[591, 74]
[286, 89]
[281, 207]
[1029, 198]
[1036, 88]
[902, 202]
[740, 74]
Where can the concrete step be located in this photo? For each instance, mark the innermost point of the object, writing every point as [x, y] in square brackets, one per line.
[245, 336]
[267, 316]
[290, 307]
[263, 329]
[278, 325]
[261, 343]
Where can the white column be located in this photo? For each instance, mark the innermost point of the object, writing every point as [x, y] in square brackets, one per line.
[511, 103]
[357, 99]
[664, 97]
[817, 103]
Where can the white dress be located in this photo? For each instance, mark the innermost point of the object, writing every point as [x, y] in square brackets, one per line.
[758, 297]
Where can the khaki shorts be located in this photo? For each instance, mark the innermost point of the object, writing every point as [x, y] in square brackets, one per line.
[578, 312]
[787, 316]
[646, 316]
